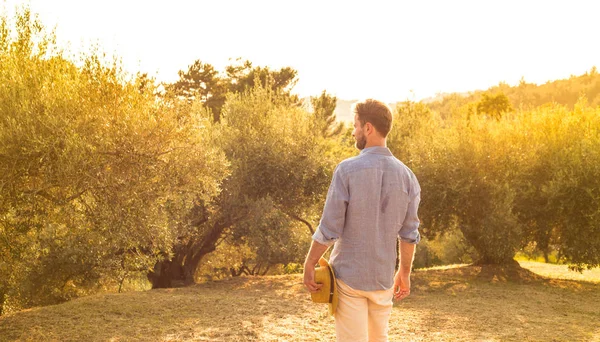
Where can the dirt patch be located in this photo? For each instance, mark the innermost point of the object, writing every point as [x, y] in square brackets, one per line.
[452, 304]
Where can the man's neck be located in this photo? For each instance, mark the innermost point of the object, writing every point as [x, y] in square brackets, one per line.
[376, 143]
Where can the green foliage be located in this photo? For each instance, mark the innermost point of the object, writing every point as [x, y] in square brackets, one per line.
[272, 235]
[204, 83]
[267, 237]
[323, 108]
[272, 150]
[102, 181]
[560, 185]
[411, 121]
[270, 200]
[528, 176]
[527, 96]
[551, 140]
[280, 173]
[96, 176]
[293, 268]
[241, 76]
[447, 248]
[201, 83]
[465, 175]
[493, 105]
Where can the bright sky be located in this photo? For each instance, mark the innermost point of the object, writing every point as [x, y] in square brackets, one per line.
[390, 50]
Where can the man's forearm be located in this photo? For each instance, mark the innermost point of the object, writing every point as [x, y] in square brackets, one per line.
[315, 253]
[407, 253]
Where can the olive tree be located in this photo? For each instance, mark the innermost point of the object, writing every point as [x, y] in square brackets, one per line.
[278, 167]
[97, 177]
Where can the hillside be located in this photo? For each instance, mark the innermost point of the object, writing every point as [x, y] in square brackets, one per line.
[529, 95]
[465, 303]
[525, 95]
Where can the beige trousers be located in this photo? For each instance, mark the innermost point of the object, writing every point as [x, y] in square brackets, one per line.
[362, 315]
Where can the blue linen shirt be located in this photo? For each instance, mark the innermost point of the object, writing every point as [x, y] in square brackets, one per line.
[371, 202]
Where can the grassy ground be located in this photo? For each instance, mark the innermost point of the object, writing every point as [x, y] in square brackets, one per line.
[465, 303]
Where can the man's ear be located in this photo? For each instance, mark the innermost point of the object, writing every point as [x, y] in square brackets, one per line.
[370, 128]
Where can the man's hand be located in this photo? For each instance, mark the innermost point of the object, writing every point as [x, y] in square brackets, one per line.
[402, 278]
[309, 278]
[401, 284]
[314, 254]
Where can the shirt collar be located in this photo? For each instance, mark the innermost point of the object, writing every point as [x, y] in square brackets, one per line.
[377, 150]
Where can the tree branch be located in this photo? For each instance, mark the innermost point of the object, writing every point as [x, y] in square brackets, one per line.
[296, 217]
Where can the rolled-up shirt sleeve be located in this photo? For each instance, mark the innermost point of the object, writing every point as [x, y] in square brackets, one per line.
[410, 228]
[332, 222]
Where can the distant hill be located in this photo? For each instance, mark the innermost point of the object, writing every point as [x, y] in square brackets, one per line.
[440, 96]
[565, 91]
[530, 95]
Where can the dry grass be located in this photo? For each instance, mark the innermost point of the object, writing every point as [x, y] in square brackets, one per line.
[448, 304]
[561, 272]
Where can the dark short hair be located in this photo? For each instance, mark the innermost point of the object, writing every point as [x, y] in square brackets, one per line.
[377, 113]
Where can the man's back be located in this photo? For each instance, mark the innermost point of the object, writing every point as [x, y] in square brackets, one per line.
[372, 201]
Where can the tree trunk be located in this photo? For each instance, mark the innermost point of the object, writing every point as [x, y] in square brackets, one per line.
[546, 256]
[181, 269]
[190, 266]
[166, 274]
[245, 270]
[485, 259]
[236, 273]
[266, 270]
[298, 218]
[2, 299]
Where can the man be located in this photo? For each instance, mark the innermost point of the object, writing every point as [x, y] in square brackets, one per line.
[372, 201]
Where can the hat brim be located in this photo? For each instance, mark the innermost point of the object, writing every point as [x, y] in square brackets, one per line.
[334, 301]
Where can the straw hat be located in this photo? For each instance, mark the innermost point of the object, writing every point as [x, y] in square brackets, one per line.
[328, 293]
